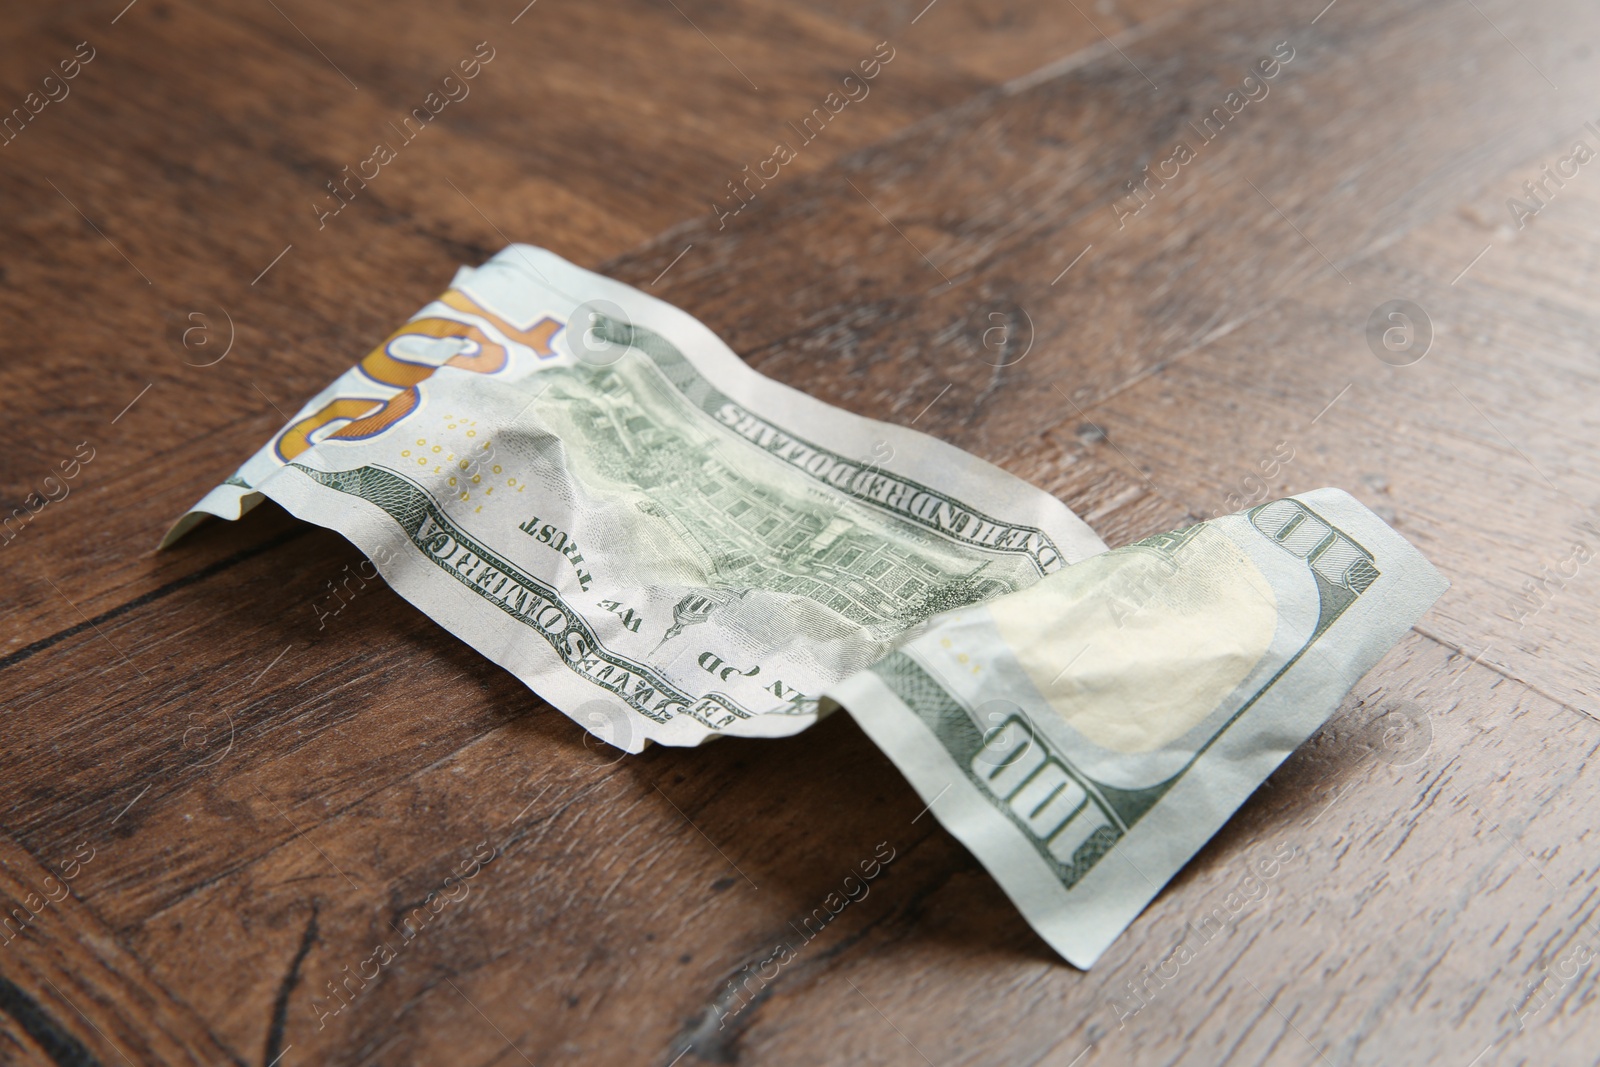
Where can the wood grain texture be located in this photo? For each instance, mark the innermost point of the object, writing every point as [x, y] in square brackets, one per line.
[267, 803]
[595, 127]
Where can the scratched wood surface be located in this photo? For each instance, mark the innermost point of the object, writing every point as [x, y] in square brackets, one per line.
[217, 810]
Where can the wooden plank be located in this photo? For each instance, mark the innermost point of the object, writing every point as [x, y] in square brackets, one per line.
[62, 964]
[1425, 890]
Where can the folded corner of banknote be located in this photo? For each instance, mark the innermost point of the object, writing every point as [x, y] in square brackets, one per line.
[1084, 737]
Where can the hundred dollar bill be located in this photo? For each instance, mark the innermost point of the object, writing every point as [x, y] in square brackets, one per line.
[591, 489]
[1086, 736]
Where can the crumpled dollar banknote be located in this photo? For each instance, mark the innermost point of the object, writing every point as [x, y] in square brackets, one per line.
[586, 485]
[591, 489]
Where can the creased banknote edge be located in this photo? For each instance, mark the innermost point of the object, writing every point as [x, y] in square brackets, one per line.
[918, 456]
[226, 501]
[233, 498]
[374, 532]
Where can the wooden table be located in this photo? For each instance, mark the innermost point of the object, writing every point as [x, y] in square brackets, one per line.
[212, 812]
